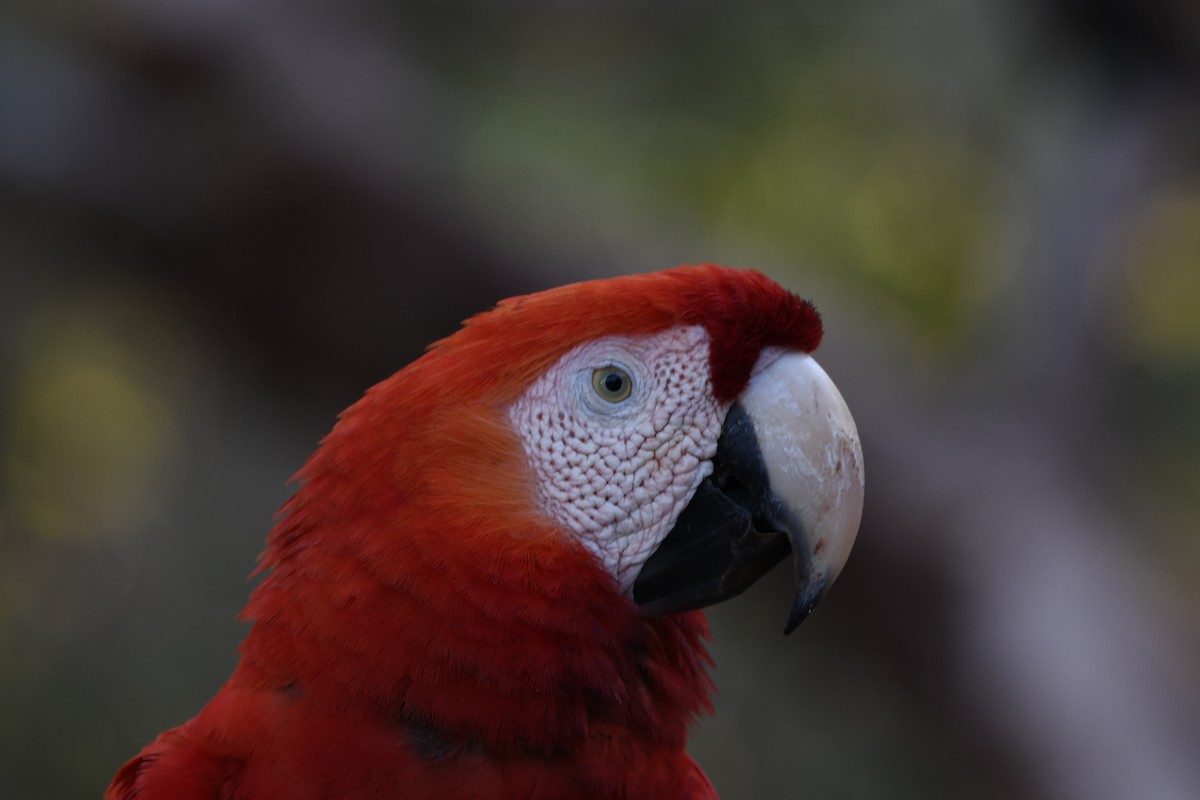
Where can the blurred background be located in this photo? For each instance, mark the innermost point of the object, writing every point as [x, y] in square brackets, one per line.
[221, 221]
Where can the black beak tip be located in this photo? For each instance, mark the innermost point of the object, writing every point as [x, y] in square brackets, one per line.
[808, 594]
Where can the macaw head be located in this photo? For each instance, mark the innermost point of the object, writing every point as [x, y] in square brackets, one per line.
[689, 441]
[673, 426]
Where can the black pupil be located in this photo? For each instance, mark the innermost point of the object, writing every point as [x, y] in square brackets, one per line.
[613, 382]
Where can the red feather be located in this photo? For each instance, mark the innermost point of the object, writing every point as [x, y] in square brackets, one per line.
[423, 632]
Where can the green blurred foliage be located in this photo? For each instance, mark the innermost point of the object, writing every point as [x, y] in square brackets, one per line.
[89, 429]
[805, 148]
[1157, 320]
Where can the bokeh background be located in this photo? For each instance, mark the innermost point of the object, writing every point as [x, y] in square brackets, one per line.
[221, 221]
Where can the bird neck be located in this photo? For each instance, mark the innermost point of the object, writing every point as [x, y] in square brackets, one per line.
[513, 642]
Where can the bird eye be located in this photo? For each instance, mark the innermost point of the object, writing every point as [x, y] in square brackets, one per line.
[612, 383]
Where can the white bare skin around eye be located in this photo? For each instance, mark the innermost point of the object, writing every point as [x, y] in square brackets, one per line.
[616, 475]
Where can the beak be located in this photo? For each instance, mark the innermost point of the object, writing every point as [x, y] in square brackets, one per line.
[787, 475]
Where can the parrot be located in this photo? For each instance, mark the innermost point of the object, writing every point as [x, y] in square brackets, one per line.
[489, 581]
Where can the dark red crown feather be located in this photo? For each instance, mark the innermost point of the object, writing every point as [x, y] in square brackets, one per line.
[744, 312]
[506, 348]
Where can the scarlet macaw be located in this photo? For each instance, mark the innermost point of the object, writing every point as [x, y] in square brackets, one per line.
[486, 585]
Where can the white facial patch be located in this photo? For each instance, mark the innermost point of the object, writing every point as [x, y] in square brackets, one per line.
[616, 473]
